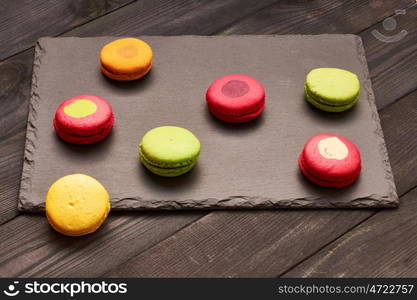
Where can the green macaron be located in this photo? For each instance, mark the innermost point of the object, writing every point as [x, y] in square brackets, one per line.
[332, 89]
[169, 150]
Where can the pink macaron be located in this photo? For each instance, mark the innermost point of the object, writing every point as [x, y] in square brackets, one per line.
[236, 98]
[83, 119]
[330, 160]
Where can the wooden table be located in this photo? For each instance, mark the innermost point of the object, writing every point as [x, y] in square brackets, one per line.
[287, 243]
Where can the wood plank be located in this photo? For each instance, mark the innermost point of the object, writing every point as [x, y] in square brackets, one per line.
[252, 244]
[30, 248]
[23, 22]
[159, 17]
[383, 246]
[391, 65]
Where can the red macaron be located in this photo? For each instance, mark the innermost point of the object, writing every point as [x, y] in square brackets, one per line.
[330, 160]
[236, 98]
[83, 119]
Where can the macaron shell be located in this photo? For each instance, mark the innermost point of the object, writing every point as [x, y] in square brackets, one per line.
[332, 86]
[233, 96]
[126, 56]
[85, 126]
[170, 146]
[331, 169]
[76, 205]
[84, 140]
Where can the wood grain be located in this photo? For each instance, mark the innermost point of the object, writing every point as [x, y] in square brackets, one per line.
[30, 248]
[246, 244]
[23, 22]
[159, 17]
[391, 64]
[383, 246]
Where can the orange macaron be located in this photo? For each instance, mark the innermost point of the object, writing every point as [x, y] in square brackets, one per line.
[126, 59]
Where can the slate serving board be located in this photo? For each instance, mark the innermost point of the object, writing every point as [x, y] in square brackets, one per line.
[252, 165]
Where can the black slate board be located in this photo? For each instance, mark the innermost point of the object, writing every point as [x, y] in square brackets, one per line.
[252, 165]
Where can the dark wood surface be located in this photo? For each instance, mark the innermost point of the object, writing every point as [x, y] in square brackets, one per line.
[240, 243]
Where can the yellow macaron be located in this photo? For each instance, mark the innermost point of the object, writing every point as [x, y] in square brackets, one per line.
[126, 59]
[76, 205]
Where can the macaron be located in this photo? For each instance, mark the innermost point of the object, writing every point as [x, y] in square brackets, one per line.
[83, 119]
[332, 89]
[236, 98]
[76, 205]
[330, 160]
[126, 59]
[169, 151]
